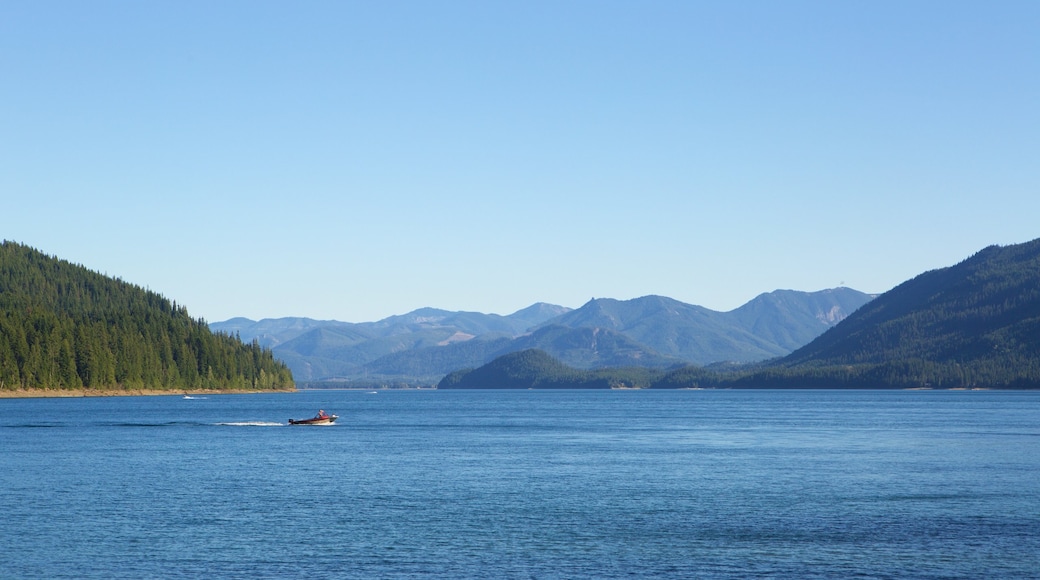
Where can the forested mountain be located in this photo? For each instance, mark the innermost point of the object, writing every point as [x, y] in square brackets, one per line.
[63, 326]
[536, 369]
[657, 332]
[972, 325]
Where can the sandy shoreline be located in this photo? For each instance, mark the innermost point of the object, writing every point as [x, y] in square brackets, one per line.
[55, 393]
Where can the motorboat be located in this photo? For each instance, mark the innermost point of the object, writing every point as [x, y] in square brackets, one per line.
[322, 418]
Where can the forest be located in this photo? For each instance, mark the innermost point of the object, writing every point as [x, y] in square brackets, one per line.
[64, 327]
[536, 369]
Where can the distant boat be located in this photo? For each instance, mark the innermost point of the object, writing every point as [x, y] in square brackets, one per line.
[322, 418]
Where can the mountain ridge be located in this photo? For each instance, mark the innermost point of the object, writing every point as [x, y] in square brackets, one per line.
[965, 324]
[655, 331]
[973, 325]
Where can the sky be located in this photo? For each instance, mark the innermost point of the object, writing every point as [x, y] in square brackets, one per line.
[355, 160]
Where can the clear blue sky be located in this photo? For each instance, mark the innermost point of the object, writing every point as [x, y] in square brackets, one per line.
[354, 160]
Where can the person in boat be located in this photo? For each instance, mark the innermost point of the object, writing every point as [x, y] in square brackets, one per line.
[322, 414]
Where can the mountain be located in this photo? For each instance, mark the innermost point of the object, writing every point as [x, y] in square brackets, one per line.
[523, 369]
[790, 319]
[593, 347]
[271, 332]
[581, 347]
[768, 326]
[672, 328]
[973, 324]
[463, 325]
[654, 331]
[428, 365]
[419, 347]
[63, 327]
[989, 303]
[536, 369]
[467, 323]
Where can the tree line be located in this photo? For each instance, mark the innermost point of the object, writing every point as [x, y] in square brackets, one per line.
[535, 369]
[63, 326]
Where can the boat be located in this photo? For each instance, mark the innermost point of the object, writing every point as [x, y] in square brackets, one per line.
[322, 418]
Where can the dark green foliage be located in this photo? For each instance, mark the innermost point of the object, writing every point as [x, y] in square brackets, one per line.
[972, 325]
[689, 377]
[65, 327]
[989, 304]
[524, 369]
[536, 369]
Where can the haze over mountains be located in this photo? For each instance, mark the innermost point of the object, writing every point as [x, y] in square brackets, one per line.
[422, 346]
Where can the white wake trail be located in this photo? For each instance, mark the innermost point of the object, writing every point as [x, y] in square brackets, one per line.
[250, 424]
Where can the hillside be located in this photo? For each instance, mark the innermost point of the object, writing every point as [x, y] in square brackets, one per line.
[790, 319]
[536, 369]
[63, 327]
[418, 347]
[691, 333]
[593, 347]
[770, 325]
[972, 325]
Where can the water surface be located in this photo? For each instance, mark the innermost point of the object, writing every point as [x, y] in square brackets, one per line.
[531, 484]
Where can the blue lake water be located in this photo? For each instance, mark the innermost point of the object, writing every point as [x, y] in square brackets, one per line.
[524, 484]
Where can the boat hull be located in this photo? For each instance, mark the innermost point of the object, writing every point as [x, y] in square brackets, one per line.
[315, 421]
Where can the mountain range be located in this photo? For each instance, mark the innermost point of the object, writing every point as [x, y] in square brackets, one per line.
[973, 325]
[422, 346]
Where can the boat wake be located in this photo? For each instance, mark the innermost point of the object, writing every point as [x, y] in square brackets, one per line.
[153, 424]
[250, 424]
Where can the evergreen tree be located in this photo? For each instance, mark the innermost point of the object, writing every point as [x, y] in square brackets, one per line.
[65, 327]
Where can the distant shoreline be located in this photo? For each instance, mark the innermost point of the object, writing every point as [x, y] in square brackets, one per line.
[70, 393]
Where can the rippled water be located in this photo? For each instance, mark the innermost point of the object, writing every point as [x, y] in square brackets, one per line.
[532, 484]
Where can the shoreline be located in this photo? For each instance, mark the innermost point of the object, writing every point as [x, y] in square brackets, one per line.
[70, 393]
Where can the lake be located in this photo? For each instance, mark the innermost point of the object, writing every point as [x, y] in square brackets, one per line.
[524, 484]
